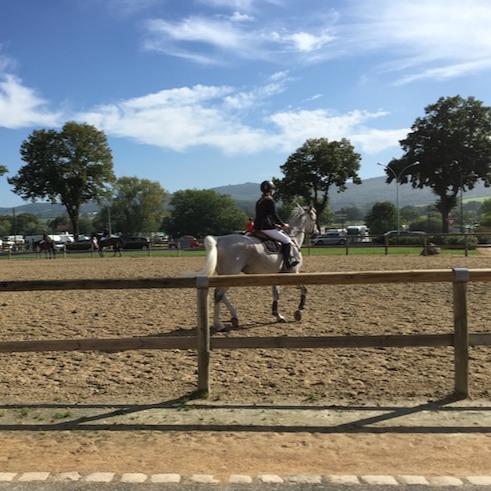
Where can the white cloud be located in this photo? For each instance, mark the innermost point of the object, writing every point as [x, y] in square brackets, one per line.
[218, 117]
[20, 106]
[244, 40]
[418, 39]
[180, 119]
[300, 125]
[239, 17]
[208, 31]
[438, 39]
[305, 42]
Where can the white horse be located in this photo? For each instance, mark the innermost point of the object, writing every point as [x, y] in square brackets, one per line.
[235, 253]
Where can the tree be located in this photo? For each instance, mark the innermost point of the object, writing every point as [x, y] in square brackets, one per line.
[381, 218]
[60, 223]
[486, 206]
[137, 207]
[451, 146]
[3, 170]
[314, 168]
[351, 213]
[409, 214]
[70, 167]
[203, 212]
[22, 224]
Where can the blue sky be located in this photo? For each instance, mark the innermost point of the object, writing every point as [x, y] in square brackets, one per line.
[197, 94]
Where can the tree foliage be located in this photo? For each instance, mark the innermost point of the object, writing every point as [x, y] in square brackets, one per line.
[21, 224]
[70, 167]
[137, 207]
[452, 145]
[203, 212]
[314, 168]
[3, 170]
[381, 218]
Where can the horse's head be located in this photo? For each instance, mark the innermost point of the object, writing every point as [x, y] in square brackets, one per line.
[312, 228]
[304, 219]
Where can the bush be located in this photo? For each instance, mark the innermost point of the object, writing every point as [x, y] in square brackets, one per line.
[408, 240]
[456, 241]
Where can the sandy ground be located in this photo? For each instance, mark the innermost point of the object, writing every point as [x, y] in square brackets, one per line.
[56, 407]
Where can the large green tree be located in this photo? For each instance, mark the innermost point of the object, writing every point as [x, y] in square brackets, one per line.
[314, 168]
[71, 167]
[137, 207]
[203, 212]
[447, 150]
[381, 218]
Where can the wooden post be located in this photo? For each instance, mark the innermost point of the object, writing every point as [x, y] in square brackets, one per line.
[461, 333]
[203, 335]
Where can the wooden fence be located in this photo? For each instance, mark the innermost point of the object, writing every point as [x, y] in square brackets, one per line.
[460, 339]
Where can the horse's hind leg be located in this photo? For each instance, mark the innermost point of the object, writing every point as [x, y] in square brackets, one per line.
[219, 296]
[276, 297]
[301, 305]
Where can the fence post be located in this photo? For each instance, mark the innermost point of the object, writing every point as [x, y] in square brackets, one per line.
[461, 333]
[203, 335]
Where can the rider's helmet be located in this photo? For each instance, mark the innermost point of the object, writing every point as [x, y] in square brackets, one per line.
[267, 186]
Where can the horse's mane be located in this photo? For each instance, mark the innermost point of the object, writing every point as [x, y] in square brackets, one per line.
[296, 213]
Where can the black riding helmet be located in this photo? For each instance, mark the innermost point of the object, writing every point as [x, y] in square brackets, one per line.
[267, 186]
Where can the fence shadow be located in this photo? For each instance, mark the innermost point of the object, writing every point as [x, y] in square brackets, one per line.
[438, 417]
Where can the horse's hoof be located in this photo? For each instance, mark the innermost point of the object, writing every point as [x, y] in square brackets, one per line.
[298, 315]
[235, 322]
[280, 318]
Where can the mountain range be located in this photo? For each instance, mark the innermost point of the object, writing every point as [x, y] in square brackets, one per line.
[362, 196]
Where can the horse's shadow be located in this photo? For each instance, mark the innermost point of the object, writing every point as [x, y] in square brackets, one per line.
[191, 332]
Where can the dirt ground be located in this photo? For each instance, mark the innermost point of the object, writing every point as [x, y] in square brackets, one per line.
[50, 417]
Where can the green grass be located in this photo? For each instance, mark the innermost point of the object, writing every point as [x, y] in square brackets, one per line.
[306, 251]
[378, 250]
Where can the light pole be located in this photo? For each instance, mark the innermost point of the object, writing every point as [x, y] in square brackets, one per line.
[461, 199]
[472, 174]
[397, 177]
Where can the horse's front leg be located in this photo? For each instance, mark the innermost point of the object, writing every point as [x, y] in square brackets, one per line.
[301, 305]
[276, 297]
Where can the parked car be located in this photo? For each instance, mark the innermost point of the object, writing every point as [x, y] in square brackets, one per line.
[184, 242]
[136, 243]
[335, 237]
[79, 245]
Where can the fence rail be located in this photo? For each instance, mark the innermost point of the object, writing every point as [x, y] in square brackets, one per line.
[204, 343]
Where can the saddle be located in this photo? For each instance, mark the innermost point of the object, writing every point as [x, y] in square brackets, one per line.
[270, 244]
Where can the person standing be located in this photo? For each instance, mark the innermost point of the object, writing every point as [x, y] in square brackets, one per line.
[270, 224]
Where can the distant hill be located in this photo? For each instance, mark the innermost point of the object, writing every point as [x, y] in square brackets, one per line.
[47, 210]
[245, 195]
[363, 196]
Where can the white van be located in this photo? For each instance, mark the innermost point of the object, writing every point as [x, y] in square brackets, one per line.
[358, 233]
[13, 241]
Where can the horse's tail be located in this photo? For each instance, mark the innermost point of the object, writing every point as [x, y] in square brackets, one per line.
[210, 262]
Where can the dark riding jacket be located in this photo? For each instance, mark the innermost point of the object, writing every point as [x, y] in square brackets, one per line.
[266, 216]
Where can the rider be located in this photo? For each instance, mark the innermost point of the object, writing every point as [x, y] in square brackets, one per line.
[268, 222]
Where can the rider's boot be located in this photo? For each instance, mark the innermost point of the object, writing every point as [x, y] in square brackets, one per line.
[290, 262]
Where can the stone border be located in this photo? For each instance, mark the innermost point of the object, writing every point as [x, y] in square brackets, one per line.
[169, 478]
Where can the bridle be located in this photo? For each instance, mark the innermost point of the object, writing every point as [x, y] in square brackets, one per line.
[296, 231]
